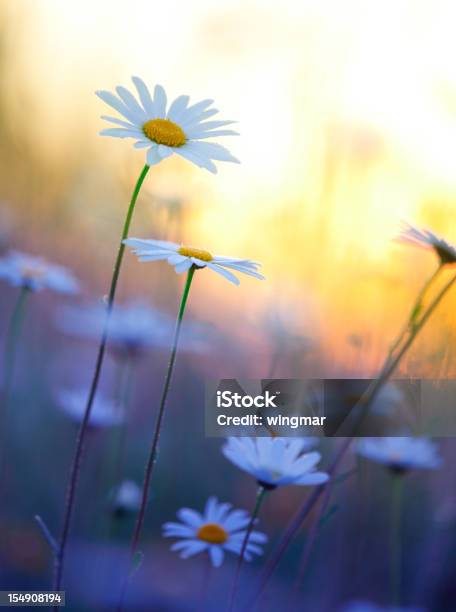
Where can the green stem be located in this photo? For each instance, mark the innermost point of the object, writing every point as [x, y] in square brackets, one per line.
[415, 312]
[12, 338]
[77, 458]
[259, 500]
[156, 435]
[396, 545]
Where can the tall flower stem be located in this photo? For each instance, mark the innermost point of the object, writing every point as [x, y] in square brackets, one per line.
[387, 370]
[12, 338]
[156, 435]
[77, 458]
[395, 545]
[416, 310]
[259, 500]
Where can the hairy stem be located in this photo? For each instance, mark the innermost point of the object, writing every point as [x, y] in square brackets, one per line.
[156, 435]
[77, 458]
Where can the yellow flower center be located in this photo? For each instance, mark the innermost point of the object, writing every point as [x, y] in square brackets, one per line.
[212, 533]
[198, 253]
[165, 132]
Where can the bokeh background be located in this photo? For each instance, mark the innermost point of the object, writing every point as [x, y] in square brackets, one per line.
[347, 115]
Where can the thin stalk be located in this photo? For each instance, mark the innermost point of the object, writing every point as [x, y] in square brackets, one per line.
[156, 435]
[11, 345]
[307, 549]
[77, 458]
[396, 545]
[415, 312]
[259, 500]
[296, 522]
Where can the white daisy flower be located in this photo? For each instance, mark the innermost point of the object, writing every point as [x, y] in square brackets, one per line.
[35, 273]
[180, 128]
[133, 327]
[127, 498]
[275, 462]
[220, 528]
[428, 240]
[183, 258]
[401, 453]
[104, 413]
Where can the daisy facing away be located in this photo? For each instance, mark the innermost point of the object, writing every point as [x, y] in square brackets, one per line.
[218, 529]
[164, 130]
[183, 258]
[428, 240]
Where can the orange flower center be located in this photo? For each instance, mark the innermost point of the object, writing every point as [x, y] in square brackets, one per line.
[212, 533]
[165, 132]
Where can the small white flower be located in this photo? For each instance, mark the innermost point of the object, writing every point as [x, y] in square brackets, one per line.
[401, 453]
[35, 273]
[163, 131]
[220, 528]
[132, 327]
[366, 606]
[275, 462]
[183, 258]
[104, 412]
[127, 498]
[428, 240]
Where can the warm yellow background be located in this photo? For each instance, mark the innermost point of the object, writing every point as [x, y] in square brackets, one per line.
[347, 114]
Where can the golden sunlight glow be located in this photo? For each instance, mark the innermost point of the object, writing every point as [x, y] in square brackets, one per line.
[347, 121]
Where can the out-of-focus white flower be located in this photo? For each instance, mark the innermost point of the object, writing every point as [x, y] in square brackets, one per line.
[183, 258]
[428, 240]
[220, 528]
[35, 273]
[275, 462]
[163, 131]
[401, 453]
[127, 498]
[105, 413]
[132, 327]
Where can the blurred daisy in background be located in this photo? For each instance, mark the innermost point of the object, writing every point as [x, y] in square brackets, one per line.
[105, 413]
[401, 453]
[276, 462]
[218, 529]
[126, 498]
[183, 258]
[133, 327]
[163, 131]
[35, 273]
[428, 240]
